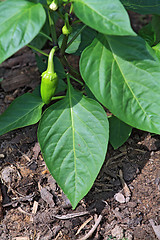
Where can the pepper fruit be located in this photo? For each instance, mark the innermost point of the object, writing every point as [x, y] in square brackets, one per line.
[67, 29]
[49, 80]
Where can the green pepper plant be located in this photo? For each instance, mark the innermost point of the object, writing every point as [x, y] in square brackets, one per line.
[119, 69]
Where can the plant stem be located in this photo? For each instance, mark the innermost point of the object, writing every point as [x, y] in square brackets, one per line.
[71, 70]
[76, 80]
[50, 67]
[64, 45]
[52, 28]
[75, 36]
[37, 50]
[46, 36]
[60, 14]
[58, 97]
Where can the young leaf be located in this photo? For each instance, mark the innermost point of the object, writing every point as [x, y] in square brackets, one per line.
[20, 22]
[147, 34]
[157, 50]
[23, 111]
[81, 42]
[156, 27]
[73, 136]
[124, 75]
[143, 6]
[104, 16]
[119, 132]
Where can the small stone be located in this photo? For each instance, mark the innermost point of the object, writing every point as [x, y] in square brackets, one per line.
[119, 197]
[117, 232]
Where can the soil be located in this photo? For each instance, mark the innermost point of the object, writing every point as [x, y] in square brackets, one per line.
[124, 202]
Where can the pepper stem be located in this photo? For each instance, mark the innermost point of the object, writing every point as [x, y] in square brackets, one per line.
[50, 67]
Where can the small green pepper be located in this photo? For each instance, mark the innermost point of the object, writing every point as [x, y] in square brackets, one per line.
[49, 80]
[67, 29]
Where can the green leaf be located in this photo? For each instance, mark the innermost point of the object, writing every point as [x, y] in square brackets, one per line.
[23, 111]
[105, 16]
[20, 22]
[147, 34]
[59, 69]
[39, 41]
[73, 136]
[156, 27]
[124, 75]
[143, 6]
[81, 42]
[119, 132]
[157, 50]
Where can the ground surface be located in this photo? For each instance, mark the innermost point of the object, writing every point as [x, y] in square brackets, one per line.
[34, 207]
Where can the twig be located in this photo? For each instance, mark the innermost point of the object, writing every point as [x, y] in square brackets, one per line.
[115, 157]
[89, 234]
[126, 189]
[71, 215]
[21, 199]
[83, 225]
[22, 211]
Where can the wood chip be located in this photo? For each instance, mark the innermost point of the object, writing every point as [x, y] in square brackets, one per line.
[155, 228]
[35, 207]
[21, 238]
[47, 197]
[34, 210]
[36, 150]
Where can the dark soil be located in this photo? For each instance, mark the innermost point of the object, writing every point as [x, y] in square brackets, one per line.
[33, 207]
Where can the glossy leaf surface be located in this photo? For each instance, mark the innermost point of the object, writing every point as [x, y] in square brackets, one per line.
[105, 16]
[23, 111]
[124, 75]
[73, 136]
[143, 6]
[20, 22]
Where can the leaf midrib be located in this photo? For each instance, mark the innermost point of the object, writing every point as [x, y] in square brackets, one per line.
[73, 132]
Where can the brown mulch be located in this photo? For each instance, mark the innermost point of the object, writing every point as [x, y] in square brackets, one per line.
[33, 207]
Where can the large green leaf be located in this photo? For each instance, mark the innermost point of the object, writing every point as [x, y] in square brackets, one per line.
[124, 74]
[119, 132]
[73, 136]
[143, 6]
[23, 111]
[105, 16]
[20, 22]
